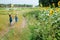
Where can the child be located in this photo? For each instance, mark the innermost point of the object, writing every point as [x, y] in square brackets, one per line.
[10, 18]
[16, 18]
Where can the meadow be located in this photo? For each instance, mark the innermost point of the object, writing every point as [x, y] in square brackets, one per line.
[34, 24]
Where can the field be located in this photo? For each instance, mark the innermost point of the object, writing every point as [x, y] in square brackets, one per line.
[33, 24]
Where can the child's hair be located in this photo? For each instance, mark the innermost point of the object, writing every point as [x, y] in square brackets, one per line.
[9, 15]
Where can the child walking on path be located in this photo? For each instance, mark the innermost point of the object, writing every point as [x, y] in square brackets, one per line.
[10, 18]
[16, 18]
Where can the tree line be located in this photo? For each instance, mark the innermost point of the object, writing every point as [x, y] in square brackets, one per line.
[49, 3]
[15, 5]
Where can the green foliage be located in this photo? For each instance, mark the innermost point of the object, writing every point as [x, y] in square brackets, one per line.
[42, 26]
[46, 3]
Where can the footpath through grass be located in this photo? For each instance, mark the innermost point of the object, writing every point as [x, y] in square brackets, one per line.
[40, 25]
[16, 32]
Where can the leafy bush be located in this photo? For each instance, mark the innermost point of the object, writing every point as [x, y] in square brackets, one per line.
[42, 25]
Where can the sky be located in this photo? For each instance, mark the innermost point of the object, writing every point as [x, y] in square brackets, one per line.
[31, 2]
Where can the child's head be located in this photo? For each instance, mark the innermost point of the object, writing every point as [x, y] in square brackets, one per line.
[10, 15]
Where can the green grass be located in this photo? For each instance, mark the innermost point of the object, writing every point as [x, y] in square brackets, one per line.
[3, 22]
[2, 8]
[13, 34]
[38, 25]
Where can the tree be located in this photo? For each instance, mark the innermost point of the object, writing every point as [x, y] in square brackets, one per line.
[44, 2]
[48, 2]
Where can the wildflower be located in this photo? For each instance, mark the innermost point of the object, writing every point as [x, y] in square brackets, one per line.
[51, 12]
[59, 3]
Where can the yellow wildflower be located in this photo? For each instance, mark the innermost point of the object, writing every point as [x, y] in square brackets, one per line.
[59, 3]
[51, 12]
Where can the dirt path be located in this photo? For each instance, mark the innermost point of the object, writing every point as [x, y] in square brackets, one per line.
[20, 27]
[3, 33]
[23, 23]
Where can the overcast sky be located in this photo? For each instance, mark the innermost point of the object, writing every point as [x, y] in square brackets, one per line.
[32, 2]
